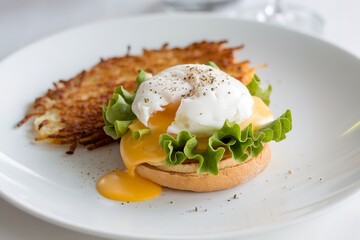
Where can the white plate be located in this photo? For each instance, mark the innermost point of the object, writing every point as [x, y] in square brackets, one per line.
[318, 81]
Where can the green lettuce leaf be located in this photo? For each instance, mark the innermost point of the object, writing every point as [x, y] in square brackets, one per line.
[254, 86]
[212, 64]
[117, 114]
[255, 89]
[142, 76]
[241, 144]
[174, 147]
[137, 134]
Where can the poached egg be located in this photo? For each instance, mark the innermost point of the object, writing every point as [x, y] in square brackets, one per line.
[205, 96]
[193, 97]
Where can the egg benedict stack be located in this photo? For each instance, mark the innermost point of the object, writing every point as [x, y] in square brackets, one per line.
[194, 127]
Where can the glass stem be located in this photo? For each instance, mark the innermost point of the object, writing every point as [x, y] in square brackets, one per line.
[274, 7]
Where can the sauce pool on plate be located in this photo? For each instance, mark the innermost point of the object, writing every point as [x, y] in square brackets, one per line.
[122, 186]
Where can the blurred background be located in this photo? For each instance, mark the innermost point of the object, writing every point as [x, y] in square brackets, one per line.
[25, 21]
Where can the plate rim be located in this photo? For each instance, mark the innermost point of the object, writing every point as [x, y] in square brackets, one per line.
[336, 200]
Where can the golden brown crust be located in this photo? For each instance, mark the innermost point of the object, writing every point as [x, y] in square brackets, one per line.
[71, 113]
[228, 176]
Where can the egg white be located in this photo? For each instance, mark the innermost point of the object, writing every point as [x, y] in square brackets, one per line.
[207, 97]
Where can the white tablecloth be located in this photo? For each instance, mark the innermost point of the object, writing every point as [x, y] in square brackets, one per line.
[24, 21]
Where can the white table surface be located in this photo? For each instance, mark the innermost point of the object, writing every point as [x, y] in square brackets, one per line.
[25, 21]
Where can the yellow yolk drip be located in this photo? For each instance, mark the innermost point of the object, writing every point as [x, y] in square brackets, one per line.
[260, 113]
[126, 185]
[119, 185]
[147, 149]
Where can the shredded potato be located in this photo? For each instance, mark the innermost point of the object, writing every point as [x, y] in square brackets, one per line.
[71, 112]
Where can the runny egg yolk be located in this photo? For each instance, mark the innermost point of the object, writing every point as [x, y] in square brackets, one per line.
[147, 149]
[260, 116]
[126, 185]
[120, 185]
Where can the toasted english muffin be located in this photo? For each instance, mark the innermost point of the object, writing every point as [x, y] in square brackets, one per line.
[185, 176]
